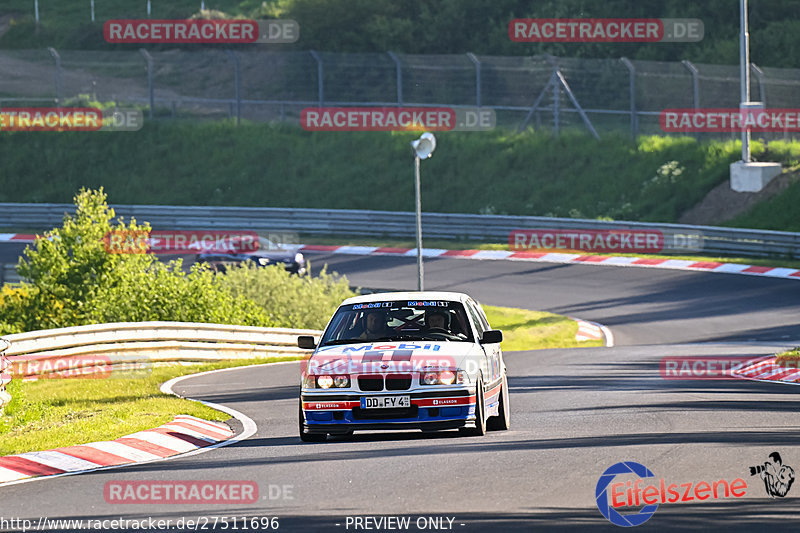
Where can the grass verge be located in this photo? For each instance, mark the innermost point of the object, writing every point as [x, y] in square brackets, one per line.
[792, 355]
[49, 413]
[532, 330]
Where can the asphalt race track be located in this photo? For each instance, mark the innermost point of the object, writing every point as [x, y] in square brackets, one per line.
[574, 414]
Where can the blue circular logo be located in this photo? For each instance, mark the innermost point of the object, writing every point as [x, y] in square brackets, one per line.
[601, 495]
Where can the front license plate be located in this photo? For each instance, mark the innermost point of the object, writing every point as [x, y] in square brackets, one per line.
[384, 402]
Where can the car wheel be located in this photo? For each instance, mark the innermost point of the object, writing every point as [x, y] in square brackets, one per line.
[480, 417]
[502, 421]
[304, 435]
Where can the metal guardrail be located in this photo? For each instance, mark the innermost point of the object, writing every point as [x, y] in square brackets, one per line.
[123, 343]
[491, 228]
[97, 350]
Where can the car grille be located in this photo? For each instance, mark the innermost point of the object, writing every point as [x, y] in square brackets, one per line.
[398, 382]
[385, 414]
[392, 382]
[372, 383]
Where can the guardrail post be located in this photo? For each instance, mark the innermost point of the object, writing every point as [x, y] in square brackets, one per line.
[149, 60]
[477, 64]
[236, 84]
[5, 378]
[320, 83]
[57, 57]
[399, 75]
[632, 93]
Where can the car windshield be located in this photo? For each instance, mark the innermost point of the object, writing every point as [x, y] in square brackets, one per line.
[398, 320]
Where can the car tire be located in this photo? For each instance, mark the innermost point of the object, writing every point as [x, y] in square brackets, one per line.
[502, 421]
[306, 436]
[480, 418]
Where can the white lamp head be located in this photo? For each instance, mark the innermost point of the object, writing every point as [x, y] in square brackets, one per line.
[424, 146]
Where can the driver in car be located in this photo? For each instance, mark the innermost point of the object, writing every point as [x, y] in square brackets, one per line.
[375, 325]
[437, 320]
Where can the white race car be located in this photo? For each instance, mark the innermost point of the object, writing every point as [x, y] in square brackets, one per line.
[404, 360]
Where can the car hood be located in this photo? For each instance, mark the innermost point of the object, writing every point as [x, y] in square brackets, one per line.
[383, 357]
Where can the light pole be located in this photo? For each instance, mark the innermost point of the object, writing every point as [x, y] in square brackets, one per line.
[744, 74]
[423, 149]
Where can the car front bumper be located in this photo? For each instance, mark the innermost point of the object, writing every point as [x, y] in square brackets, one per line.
[337, 412]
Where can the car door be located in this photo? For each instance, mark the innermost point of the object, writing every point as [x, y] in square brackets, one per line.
[491, 368]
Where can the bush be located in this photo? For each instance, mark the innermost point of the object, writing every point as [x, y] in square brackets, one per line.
[288, 301]
[71, 279]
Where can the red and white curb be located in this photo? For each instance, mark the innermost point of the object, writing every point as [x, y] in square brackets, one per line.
[543, 257]
[539, 257]
[184, 434]
[592, 331]
[767, 369]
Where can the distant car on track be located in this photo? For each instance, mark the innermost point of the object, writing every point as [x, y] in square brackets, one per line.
[269, 253]
[404, 360]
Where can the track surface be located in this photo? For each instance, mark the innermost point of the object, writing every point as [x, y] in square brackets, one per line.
[574, 413]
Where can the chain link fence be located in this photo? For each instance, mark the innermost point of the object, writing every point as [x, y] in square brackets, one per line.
[543, 92]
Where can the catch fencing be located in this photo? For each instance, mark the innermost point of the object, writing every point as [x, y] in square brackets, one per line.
[542, 91]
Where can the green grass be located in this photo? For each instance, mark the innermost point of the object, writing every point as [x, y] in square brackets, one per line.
[789, 356]
[49, 413]
[278, 165]
[533, 330]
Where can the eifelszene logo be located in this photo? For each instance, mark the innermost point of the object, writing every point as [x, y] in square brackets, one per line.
[778, 477]
[610, 495]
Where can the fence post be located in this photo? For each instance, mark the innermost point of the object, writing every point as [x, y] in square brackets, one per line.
[399, 74]
[92, 5]
[236, 85]
[149, 60]
[477, 64]
[36, 11]
[57, 57]
[695, 82]
[148, 9]
[632, 89]
[760, 75]
[320, 84]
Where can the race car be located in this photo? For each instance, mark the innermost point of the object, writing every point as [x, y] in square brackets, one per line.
[404, 360]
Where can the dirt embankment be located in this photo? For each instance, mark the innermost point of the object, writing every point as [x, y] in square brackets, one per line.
[722, 203]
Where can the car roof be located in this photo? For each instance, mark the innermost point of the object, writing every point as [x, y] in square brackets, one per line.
[415, 295]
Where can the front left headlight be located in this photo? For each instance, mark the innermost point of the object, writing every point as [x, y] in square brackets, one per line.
[298, 258]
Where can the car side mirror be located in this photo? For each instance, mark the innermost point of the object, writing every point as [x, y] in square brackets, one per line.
[492, 336]
[306, 342]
